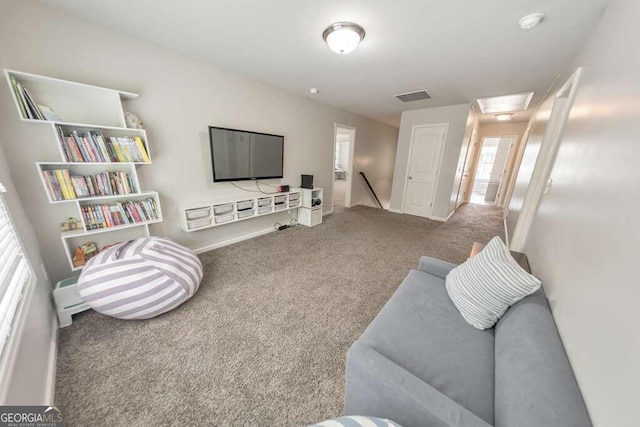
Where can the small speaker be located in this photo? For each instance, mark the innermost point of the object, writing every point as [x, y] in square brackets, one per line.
[283, 188]
[307, 181]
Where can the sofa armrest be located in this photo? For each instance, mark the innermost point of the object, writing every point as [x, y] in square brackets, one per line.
[375, 386]
[435, 266]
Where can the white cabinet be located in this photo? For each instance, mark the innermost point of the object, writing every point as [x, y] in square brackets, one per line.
[310, 212]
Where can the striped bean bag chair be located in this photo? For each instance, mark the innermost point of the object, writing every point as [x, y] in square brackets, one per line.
[140, 279]
[356, 421]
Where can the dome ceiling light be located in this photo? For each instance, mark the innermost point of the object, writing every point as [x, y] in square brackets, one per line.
[343, 37]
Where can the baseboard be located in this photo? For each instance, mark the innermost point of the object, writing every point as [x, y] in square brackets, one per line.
[234, 240]
[398, 211]
[441, 219]
[353, 205]
[50, 391]
[329, 212]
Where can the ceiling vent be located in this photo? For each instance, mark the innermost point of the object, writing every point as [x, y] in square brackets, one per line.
[413, 96]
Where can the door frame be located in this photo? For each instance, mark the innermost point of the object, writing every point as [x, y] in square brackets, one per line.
[352, 146]
[443, 143]
[473, 140]
[474, 168]
[545, 161]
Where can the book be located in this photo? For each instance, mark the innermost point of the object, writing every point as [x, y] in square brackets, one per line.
[18, 95]
[48, 113]
[31, 106]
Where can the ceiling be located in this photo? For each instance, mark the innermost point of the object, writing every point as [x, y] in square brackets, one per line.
[458, 50]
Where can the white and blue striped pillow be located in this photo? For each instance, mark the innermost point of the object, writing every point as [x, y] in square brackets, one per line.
[485, 286]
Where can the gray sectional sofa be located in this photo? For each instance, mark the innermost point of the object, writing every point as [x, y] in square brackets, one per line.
[419, 363]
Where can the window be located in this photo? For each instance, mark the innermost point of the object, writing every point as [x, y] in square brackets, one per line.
[15, 273]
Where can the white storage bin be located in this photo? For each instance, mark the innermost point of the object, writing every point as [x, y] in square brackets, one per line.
[294, 196]
[267, 201]
[294, 203]
[245, 213]
[264, 210]
[281, 207]
[280, 199]
[223, 209]
[224, 218]
[245, 204]
[198, 213]
[199, 223]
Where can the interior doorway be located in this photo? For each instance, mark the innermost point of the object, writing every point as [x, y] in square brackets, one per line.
[491, 170]
[344, 143]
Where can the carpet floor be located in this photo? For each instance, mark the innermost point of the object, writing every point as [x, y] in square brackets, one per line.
[263, 342]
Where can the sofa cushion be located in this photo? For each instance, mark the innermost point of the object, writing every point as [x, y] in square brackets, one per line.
[534, 382]
[420, 330]
[485, 286]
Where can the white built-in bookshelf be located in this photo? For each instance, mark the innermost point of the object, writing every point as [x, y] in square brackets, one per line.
[98, 158]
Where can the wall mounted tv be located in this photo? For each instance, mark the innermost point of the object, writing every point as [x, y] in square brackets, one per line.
[238, 155]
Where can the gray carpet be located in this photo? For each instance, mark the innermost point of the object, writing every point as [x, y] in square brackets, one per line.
[263, 342]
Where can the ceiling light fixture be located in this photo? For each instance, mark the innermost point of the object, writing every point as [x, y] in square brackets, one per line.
[505, 117]
[531, 20]
[343, 37]
[505, 104]
[314, 91]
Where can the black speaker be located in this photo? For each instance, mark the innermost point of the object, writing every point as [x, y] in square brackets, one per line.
[307, 181]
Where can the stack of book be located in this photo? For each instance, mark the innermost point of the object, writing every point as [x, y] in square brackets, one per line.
[95, 147]
[64, 186]
[27, 106]
[119, 213]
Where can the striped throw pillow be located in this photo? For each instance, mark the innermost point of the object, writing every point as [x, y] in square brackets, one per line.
[485, 286]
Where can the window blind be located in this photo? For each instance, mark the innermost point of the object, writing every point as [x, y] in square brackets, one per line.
[15, 272]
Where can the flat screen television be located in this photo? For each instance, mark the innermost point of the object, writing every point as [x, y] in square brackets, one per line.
[238, 155]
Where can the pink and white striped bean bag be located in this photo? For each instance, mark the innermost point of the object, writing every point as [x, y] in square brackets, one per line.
[140, 279]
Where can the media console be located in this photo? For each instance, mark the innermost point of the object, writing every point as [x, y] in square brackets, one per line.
[199, 216]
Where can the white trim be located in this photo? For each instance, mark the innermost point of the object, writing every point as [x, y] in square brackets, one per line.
[352, 147]
[398, 211]
[545, 161]
[50, 390]
[441, 219]
[443, 145]
[359, 204]
[329, 212]
[234, 240]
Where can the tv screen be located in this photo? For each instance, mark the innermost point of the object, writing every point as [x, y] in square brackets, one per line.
[238, 155]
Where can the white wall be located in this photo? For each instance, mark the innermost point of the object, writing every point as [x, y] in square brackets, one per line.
[457, 116]
[28, 381]
[179, 99]
[585, 235]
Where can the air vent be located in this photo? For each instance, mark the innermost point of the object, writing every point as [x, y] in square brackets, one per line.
[413, 96]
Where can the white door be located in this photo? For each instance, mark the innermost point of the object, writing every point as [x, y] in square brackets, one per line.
[463, 192]
[422, 171]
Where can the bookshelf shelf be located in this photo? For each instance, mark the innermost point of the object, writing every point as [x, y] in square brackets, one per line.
[87, 122]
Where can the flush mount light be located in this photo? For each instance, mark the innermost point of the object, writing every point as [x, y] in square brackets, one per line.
[343, 37]
[506, 103]
[505, 117]
[531, 20]
[314, 91]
